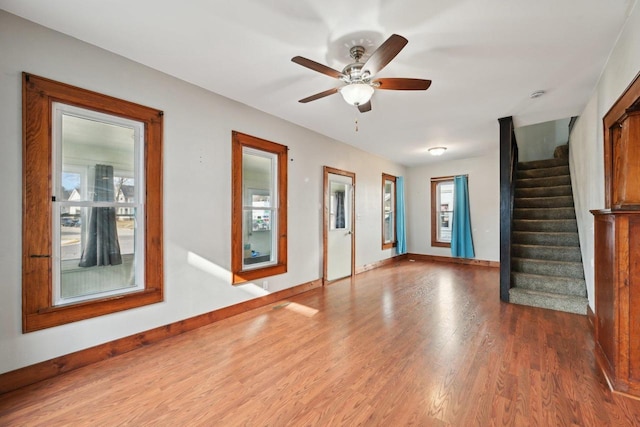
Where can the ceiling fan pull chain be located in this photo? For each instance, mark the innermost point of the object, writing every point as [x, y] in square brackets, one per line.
[356, 124]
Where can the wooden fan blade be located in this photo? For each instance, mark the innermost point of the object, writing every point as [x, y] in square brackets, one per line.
[365, 107]
[319, 95]
[384, 54]
[315, 66]
[402, 84]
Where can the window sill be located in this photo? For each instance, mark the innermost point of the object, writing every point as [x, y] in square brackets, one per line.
[59, 315]
[242, 277]
[441, 244]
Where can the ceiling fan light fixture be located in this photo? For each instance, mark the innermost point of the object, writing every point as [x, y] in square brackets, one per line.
[437, 151]
[357, 93]
[358, 86]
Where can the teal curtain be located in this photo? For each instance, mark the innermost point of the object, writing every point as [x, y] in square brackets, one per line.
[401, 231]
[461, 240]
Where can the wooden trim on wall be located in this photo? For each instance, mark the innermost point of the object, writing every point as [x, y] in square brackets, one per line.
[611, 131]
[453, 260]
[389, 245]
[239, 141]
[381, 263]
[38, 96]
[592, 318]
[22, 377]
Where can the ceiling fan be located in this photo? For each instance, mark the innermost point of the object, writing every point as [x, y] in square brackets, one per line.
[358, 76]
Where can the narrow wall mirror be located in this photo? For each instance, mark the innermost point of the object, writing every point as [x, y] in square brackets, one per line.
[388, 211]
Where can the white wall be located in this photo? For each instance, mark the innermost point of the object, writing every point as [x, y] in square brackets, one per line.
[586, 158]
[484, 201]
[537, 142]
[197, 190]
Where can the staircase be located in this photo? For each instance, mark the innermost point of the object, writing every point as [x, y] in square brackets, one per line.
[546, 263]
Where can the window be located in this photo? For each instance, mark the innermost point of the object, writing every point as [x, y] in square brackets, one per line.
[259, 214]
[97, 231]
[388, 211]
[92, 212]
[441, 211]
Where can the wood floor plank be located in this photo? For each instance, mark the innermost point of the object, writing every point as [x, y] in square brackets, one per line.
[412, 343]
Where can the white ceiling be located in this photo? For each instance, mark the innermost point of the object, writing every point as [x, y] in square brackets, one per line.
[485, 57]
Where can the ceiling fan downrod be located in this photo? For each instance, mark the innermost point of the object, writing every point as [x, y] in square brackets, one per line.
[356, 53]
[353, 71]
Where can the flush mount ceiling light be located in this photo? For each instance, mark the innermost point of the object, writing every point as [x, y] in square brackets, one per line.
[437, 151]
[536, 94]
[356, 93]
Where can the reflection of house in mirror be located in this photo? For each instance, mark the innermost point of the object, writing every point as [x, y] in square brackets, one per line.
[126, 194]
[72, 196]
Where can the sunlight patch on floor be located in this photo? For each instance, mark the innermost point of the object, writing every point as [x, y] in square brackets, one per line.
[301, 309]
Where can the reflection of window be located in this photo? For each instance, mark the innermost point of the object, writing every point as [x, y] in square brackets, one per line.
[441, 211]
[388, 211]
[259, 241]
[338, 214]
[260, 218]
[79, 250]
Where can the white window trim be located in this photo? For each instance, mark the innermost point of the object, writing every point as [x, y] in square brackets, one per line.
[273, 157]
[439, 213]
[58, 110]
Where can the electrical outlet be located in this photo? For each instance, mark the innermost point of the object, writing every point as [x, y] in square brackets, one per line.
[265, 285]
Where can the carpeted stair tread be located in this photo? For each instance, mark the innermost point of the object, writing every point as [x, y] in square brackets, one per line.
[551, 253]
[551, 181]
[557, 190]
[543, 172]
[551, 284]
[546, 225]
[544, 202]
[544, 213]
[567, 303]
[548, 267]
[546, 239]
[547, 163]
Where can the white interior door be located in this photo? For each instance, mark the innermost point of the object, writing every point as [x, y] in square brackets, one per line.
[339, 227]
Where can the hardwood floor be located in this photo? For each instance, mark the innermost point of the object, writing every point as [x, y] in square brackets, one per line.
[426, 344]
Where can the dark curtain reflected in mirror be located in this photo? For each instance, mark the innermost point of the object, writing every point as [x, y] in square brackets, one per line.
[340, 215]
[102, 247]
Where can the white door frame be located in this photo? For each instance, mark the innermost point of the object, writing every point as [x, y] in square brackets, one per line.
[326, 217]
